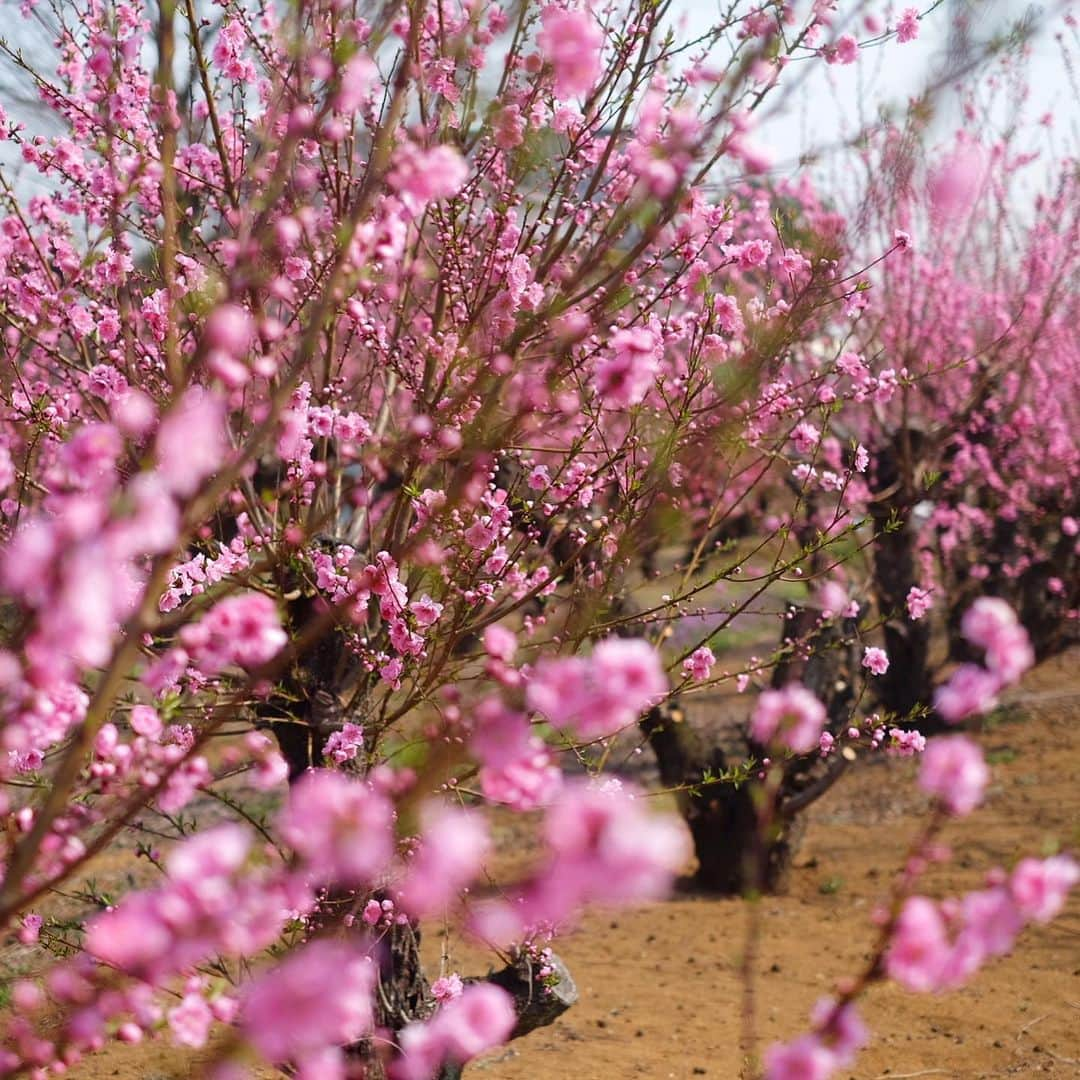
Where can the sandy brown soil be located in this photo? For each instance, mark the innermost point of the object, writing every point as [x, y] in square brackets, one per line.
[660, 990]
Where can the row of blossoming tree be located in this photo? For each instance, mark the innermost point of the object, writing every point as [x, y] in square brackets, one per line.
[394, 399]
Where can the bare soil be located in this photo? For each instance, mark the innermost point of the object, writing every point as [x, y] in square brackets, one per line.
[660, 986]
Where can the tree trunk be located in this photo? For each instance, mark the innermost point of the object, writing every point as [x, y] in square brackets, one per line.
[723, 817]
[1042, 612]
[907, 683]
[302, 717]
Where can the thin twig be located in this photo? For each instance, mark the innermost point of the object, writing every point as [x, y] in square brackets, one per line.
[908, 1076]
[1026, 1027]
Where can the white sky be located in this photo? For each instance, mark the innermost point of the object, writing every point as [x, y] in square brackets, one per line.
[832, 102]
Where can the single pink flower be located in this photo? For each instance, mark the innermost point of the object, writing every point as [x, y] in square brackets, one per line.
[919, 947]
[907, 26]
[288, 1013]
[954, 772]
[875, 660]
[571, 42]
[804, 1059]
[792, 716]
[341, 828]
[1039, 887]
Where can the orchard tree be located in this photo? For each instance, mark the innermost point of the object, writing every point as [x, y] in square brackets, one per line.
[357, 359]
[974, 462]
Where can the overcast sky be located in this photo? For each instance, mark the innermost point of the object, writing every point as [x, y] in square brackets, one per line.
[831, 102]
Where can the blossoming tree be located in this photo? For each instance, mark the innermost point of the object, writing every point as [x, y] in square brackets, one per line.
[357, 359]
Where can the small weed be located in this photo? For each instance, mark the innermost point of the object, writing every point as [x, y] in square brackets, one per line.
[1000, 717]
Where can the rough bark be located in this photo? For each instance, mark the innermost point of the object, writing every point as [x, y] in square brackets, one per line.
[302, 715]
[722, 816]
[1042, 611]
[404, 995]
[907, 683]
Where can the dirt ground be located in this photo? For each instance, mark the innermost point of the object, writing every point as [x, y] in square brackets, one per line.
[659, 984]
[660, 988]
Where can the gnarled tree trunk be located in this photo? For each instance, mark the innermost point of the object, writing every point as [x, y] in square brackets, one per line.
[723, 817]
[907, 683]
[302, 717]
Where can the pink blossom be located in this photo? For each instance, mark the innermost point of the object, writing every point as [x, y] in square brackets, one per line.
[228, 52]
[426, 611]
[623, 850]
[629, 669]
[190, 1021]
[907, 27]
[90, 455]
[229, 329]
[985, 620]
[539, 478]
[243, 630]
[571, 42]
[447, 987]
[287, 1013]
[624, 376]
[191, 442]
[426, 176]
[343, 745]
[699, 663]
[832, 598]
[509, 128]
[600, 695]
[7, 469]
[991, 624]
[452, 849]
[804, 1059]
[970, 691]
[842, 1027]
[481, 1017]
[793, 715]
[517, 769]
[905, 743]
[954, 772]
[990, 918]
[391, 671]
[1010, 654]
[604, 847]
[1039, 887]
[919, 602]
[875, 660]
[955, 184]
[341, 828]
[30, 929]
[805, 437]
[357, 78]
[919, 948]
[846, 50]
[146, 722]
[852, 365]
[524, 783]
[500, 643]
